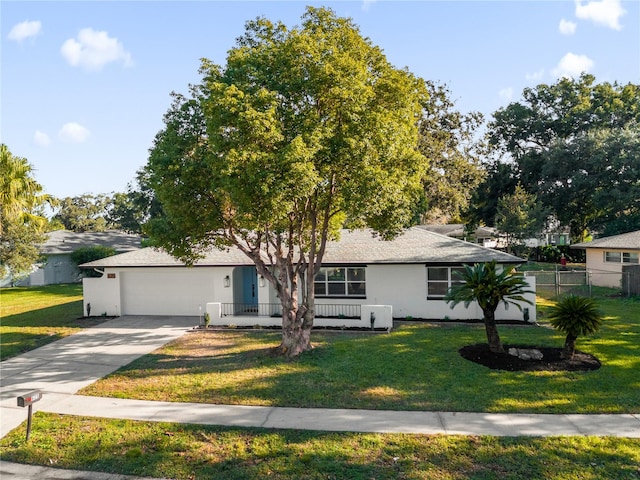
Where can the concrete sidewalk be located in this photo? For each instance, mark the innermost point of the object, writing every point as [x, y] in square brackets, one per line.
[62, 368]
[348, 420]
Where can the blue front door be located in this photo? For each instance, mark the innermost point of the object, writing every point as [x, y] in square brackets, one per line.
[250, 289]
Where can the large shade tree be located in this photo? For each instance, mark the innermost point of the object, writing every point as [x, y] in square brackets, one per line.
[448, 139]
[302, 131]
[21, 219]
[83, 213]
[572, 142]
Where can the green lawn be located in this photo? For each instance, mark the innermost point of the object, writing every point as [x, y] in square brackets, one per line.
[31, 317]
[188, 452]
[415, 367]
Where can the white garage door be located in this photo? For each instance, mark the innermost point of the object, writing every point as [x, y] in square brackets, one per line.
[166, 291]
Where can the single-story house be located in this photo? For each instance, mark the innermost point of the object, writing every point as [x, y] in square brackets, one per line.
[410, 275]
[608, 256]
[58, 266]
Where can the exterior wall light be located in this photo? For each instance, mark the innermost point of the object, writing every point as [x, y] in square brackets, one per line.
[261, 280]
[227, 281]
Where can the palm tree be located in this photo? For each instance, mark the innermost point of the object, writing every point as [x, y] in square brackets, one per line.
[575, 316]
[485, 285]
[20, 194]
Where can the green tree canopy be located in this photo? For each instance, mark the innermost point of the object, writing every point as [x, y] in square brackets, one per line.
[571, 143]
[89, 254]
[84, 213]
[520, 216]
[448, 140]
[304, 129]
[21, 219]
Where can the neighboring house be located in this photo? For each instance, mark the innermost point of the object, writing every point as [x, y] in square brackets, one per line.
[58, 266]
[410, 275]
[485, 236]
[556, 238]
[608, 256]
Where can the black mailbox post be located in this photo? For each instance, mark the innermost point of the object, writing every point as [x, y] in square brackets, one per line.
[27, 400]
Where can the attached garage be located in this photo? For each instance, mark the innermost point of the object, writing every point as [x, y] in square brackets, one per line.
[166, 291]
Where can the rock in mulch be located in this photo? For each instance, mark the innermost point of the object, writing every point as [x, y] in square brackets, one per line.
[529, 358]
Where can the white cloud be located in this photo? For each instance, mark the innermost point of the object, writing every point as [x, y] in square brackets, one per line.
[24, 30]
[506, 94]
[603, 12]
[366, 4]
[535, 75]
[41, 139]
[92, 50]
[572, 65]
[73, 133]
[566, 27]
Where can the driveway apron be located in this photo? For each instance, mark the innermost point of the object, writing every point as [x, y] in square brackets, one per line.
[69, 364]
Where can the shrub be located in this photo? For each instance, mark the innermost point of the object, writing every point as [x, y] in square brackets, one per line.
[89, 254]
[575, 316]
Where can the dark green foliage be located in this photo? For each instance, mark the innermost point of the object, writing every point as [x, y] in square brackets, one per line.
[575, 145]
[89, 254]
[21, 220]
[302, 130]
[575, 316]
[485, 285]
[84, 213]
[448, 140]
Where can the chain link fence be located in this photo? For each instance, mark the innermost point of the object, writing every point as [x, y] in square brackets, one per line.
[584, 282]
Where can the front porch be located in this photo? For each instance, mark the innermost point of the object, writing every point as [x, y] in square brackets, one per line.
[327, 315]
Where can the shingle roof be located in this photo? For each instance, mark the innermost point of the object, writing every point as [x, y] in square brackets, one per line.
[416, 245]
[64, 241]
[457, 230]
[624, 241]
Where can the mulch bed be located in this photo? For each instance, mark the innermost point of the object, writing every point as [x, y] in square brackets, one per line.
[551, 359]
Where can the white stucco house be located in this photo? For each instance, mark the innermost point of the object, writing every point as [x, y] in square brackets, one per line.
[608, 256]
[403, 278]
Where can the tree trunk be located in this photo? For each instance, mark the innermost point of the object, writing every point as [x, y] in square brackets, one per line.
[569, 347]
[493, 338]
[296, 330]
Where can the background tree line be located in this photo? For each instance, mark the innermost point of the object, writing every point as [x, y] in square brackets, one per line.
[566, 154]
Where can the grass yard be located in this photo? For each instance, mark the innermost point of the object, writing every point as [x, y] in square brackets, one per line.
[187, 452]
[31, 317]
[415, 367]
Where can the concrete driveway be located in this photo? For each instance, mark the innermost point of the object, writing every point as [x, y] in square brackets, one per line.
[69, 364]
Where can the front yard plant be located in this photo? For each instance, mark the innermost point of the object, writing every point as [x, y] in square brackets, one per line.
[575, 317]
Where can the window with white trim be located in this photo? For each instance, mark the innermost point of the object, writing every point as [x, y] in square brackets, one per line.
[440, 279]
[346, 282]
[621, 257]
[612, 257]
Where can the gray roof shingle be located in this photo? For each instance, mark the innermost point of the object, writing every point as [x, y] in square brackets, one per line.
[416, 245]
[624, 241]
[64, 241]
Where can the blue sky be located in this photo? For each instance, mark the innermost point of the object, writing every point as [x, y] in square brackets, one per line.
[84, 85]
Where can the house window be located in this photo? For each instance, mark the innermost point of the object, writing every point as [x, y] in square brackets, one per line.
[629, 257]
[340, 282]
[439, 280]
[614, 257]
